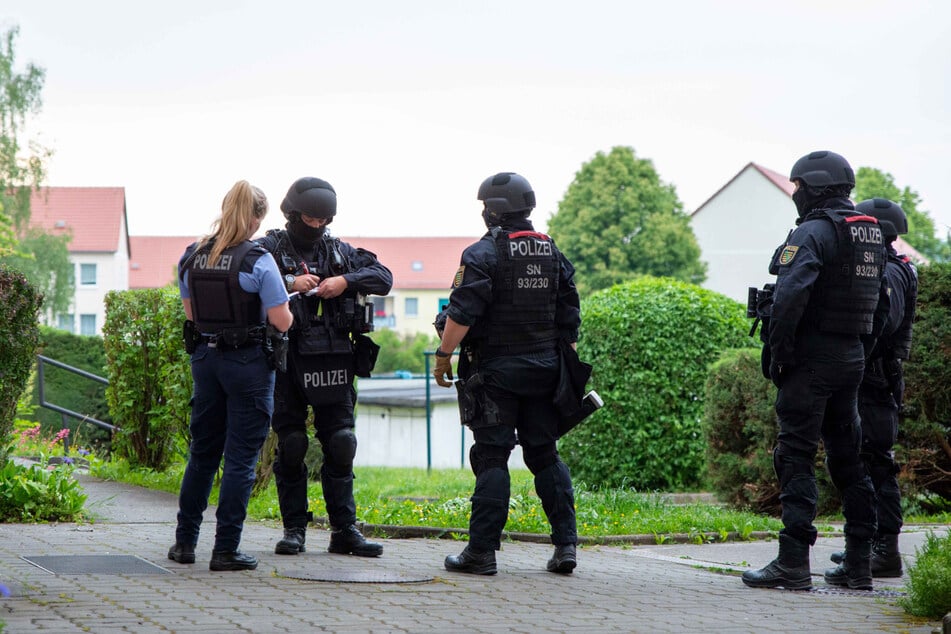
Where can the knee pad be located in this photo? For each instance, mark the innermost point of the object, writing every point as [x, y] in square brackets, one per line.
[292, 448]
[845, 472]
[485, 457]
[341, 448]
[789, 466]
[537, 459]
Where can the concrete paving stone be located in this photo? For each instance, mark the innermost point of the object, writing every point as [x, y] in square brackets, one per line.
[651, 588]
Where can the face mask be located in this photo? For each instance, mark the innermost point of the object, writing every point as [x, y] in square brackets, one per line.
[299, 230]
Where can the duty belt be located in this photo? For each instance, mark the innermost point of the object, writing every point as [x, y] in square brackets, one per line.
[214, 341]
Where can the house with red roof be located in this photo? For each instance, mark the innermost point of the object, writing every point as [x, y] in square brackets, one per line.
[95, 220]
[739, 227]
[154, 259]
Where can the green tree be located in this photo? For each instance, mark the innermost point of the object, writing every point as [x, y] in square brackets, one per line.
[874, 183]
[618, 220]
[43, 259]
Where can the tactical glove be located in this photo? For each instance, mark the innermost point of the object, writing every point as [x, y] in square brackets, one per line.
[443, 369]
[778, 372]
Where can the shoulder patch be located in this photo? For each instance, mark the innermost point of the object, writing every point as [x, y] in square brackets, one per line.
[789, 252]
[457, 280]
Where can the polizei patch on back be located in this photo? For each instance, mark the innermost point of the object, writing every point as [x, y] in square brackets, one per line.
[789, 252]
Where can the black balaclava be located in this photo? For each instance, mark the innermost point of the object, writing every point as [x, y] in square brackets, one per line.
[809, 199]
[303, 233]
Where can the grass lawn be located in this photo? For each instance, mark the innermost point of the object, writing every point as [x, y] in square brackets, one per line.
[440, 499]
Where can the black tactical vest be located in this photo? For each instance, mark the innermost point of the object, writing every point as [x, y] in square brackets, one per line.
[218, 301]
[899, 342]
[521, 317]
[846, 293]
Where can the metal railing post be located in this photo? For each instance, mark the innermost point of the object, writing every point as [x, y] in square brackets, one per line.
[429, 442]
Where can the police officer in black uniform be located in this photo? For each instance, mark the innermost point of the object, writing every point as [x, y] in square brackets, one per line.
[829, 274]
[880, 395]
[328, 346]
[228, 285]
[513, 300]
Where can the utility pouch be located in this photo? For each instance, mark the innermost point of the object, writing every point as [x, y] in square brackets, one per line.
[190, 336]
[233, 337]
[319, 340]
[275, 348]
[365, 352]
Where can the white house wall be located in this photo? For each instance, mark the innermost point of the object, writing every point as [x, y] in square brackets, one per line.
[739, 229]
[390, 436]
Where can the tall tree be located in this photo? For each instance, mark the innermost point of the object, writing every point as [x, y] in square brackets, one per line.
[619, 220]
[874, 183]
[42, 258]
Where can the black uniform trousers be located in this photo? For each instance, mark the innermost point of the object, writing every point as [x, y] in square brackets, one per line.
[818, 399]
[879, 413]
[290, 472]
[520, 388]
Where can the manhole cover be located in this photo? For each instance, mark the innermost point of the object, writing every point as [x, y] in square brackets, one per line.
[95, 565]
[858, 593]
[354, 576]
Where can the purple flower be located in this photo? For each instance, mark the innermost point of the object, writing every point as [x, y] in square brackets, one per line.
[67, 460]
[4, 591]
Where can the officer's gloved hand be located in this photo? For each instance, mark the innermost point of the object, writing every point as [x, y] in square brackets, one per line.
[778, 372]
[443, 370]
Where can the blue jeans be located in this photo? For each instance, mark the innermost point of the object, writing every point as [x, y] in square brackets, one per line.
[231, 411]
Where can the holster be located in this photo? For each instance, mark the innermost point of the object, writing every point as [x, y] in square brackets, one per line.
[275, 348]
[190, 336]
[365, 352]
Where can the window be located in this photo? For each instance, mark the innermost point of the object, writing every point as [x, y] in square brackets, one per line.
[67, 322]
[417, 265]
[412, 307]
[443, 302]
[87, 274]
[87, 324]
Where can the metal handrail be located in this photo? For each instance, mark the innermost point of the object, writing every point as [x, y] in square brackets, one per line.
[40, 362]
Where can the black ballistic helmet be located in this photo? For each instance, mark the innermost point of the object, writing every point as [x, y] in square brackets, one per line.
[310, 197]
[506, 193]
[823, 169]
[890, 216]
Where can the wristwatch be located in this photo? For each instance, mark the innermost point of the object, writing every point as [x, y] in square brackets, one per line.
[440, 353]
[289, 282]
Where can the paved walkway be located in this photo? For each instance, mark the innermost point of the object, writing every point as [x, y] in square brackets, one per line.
[657, 588]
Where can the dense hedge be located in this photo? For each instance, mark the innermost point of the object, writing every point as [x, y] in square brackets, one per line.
[69, 390]
[19, 336]
[402, 352]
[739, 424]
[924, 440]
[150, 383]
[650, 341]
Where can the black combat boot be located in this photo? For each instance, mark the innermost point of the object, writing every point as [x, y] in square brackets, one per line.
[886, 559]
[564, 560]
[350, 541]
[473, 562]
[232, 560]
[790, 570]
[855, 569]
[182, 553]
[293, 541]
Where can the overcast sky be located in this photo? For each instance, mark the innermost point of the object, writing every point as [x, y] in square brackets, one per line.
[405, 107]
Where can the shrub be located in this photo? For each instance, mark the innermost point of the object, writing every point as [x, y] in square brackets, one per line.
[72, 391]
[650, 341]
[150, 382]
[19, 334]
[402, 352]
[740, 428]
[37, 494]
[929, 580]
[924, 441]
